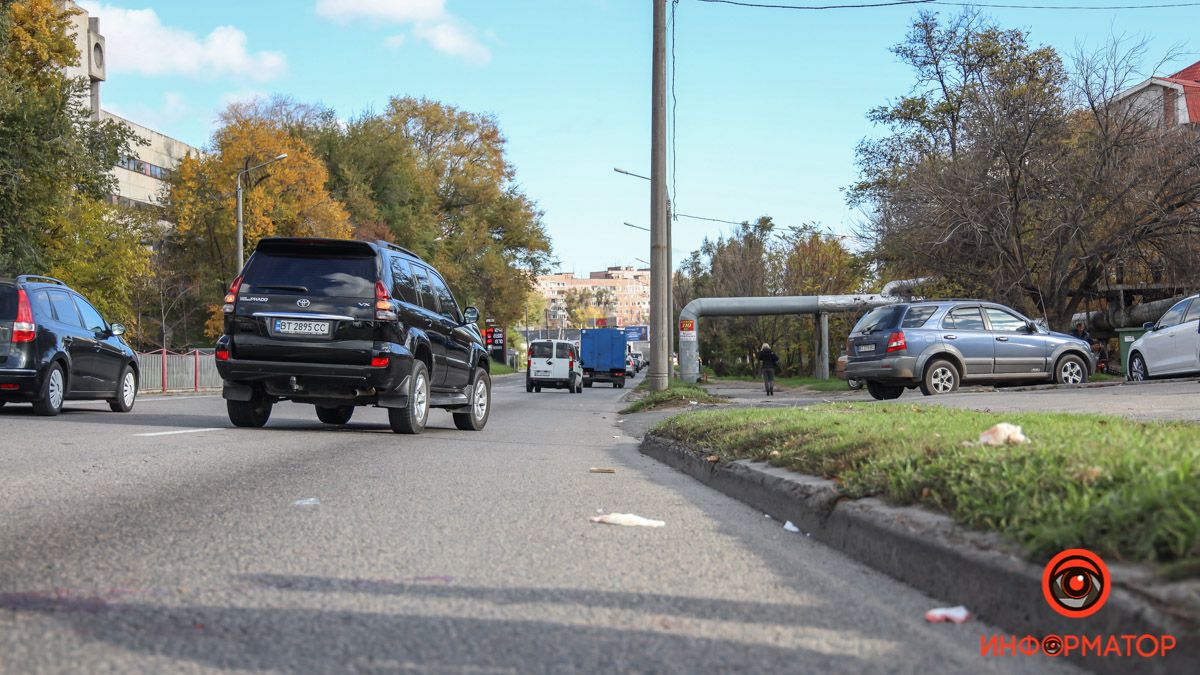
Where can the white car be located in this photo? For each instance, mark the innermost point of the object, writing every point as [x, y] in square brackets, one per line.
[553, 363]
[1171, 346]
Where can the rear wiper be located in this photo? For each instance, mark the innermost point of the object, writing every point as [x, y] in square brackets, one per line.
[298, 289]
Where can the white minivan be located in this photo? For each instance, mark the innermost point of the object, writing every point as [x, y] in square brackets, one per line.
[553, 363]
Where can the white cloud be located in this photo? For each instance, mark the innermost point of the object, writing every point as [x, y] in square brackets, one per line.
[242, 96]
[174, 109]
[430, 21]
[138, 42]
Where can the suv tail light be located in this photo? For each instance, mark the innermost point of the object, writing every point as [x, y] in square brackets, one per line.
[231, 296]
[896, 342]
[24, 329]
[384, 311]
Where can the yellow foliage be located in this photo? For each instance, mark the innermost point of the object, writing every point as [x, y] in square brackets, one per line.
[39, 39]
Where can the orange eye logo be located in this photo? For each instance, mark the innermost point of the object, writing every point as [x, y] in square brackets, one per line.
[1076, 583]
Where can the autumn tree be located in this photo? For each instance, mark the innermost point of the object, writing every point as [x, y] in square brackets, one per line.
[1017, 177]
[756, 260]
[436, 180]
[289, 198]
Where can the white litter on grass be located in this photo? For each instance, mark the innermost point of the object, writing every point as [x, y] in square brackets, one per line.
[312, 501]
[1003, 434]
[957, 614]
[791, 527]
[768, 516]
[626, 519]
[693, 403]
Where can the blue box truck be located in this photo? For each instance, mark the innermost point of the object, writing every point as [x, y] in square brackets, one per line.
[602, 351]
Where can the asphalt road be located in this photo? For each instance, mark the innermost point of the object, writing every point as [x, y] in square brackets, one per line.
[165, 541]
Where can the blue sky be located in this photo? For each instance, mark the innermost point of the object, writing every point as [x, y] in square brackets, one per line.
[771, 103]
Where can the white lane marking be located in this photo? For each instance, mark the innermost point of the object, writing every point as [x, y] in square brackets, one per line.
[181, 431]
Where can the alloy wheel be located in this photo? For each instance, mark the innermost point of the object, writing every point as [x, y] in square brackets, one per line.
[421, 397]
[481, 399]
[1137, 369]
[942, 380]
[1071, 372]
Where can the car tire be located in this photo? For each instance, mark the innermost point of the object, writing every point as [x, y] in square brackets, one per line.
[411, 418]
[579, 386]
[54, 392]
[587, 383]
[884, 392]
[537, 389]
[335, 415]
[476, 418]
[528, 386]
[1070, 369]
[854, 383]
[941, 377]
[252, 414]
[127, 391]
[1137, 368]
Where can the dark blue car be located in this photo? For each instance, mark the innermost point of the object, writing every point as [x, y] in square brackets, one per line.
[937, 345]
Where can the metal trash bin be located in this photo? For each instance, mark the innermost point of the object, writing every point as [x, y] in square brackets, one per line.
[1126, 337]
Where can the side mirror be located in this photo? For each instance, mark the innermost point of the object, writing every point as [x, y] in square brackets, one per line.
[470, 315]
[117, 329]
[1148, 326]
[1030, 327]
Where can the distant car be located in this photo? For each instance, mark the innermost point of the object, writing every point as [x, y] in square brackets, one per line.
[554, 364]
[631, 366]
[639, 361]
[1171, 346]
[55, 346]
[840, 372]
[938, 345]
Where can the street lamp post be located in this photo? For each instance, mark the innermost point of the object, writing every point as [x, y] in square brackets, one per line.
[241, 246]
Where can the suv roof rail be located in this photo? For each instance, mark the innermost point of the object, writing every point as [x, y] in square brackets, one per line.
[26, 278]
[393, 247]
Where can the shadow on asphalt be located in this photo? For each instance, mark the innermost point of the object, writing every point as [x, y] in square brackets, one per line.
[651, 603]
[315, 640]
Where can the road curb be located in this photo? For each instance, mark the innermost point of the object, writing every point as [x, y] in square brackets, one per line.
[931, 553]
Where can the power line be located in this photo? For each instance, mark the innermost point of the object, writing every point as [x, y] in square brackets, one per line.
[813, 7]
[989, 5]
[950, 3]
[714, 220]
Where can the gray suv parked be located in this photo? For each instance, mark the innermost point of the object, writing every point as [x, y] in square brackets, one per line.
[936, 345]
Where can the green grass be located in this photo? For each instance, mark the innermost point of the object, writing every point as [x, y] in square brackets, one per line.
[677, 392]
[1126, 490]
[1105, 377]
[816, 384]
[498, 368]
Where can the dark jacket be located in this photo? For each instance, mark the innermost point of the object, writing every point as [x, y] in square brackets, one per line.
[768, 359]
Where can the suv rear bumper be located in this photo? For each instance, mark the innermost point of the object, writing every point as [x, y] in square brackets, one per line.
[891, 368]
[313, 380]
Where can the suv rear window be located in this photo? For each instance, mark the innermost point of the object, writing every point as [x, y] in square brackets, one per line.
[917, 316]
[8, 303]
[880, 318]
[563, 351]
[316, 275]
[541, 350]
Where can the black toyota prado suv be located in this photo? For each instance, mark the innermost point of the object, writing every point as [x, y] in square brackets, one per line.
[339, 324]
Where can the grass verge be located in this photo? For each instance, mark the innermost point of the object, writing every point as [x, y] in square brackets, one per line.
[676, 393]
[816, 384]
[1126, 490]
[500, 369]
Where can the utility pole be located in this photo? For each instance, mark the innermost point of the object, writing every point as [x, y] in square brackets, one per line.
[660, 227]
[241, 246]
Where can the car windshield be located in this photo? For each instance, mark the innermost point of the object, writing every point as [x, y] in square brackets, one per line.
[313, 275]
[8, 303]
[541, 350]
[880, 318]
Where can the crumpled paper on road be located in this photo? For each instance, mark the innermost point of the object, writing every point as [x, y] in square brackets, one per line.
[957, 614]
[1003, 434]
[626, 519]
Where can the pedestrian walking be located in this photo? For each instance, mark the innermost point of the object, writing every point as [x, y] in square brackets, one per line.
[770, 362]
